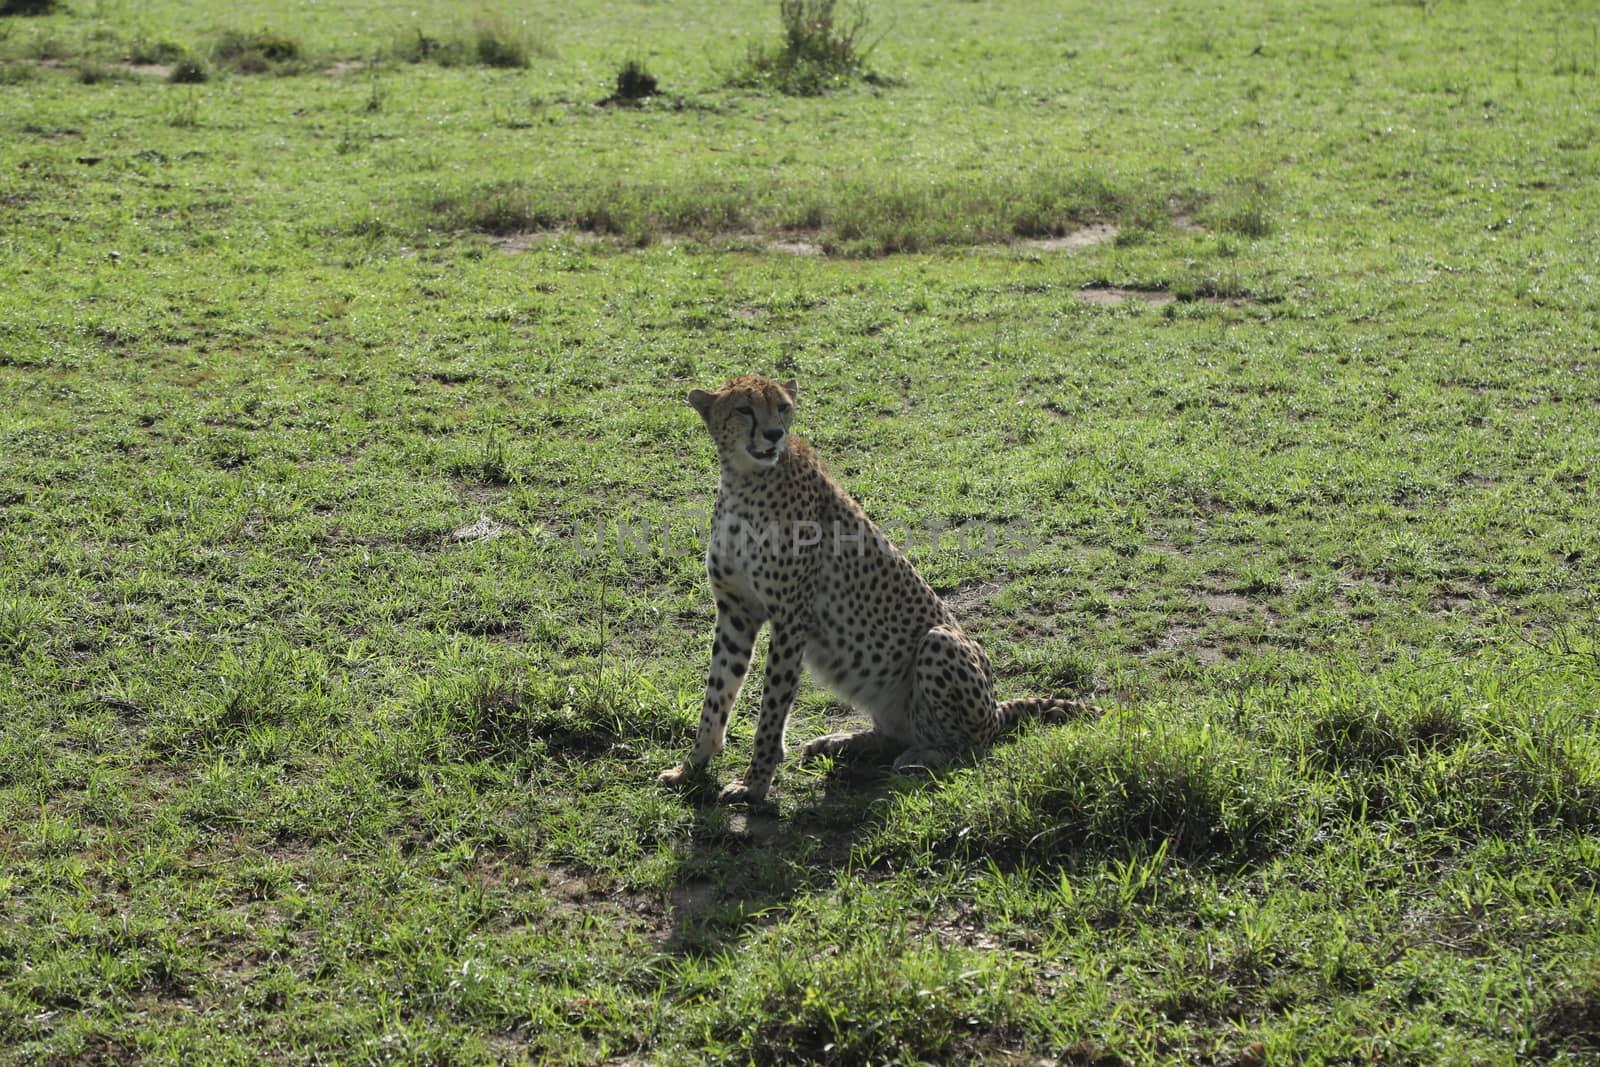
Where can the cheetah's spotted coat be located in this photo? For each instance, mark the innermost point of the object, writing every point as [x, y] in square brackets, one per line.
[791, 548]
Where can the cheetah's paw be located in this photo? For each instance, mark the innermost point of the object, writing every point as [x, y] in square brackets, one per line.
[682, 774]
[739, 791]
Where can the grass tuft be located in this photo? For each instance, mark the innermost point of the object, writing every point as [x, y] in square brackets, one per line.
[499, 44]
[880, 998]
[1120, 785]
[188, 71]
[1244, 207]
[1362, 729]
[21, 626]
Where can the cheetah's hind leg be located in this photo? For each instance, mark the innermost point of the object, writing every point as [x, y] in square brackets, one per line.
[867, 745]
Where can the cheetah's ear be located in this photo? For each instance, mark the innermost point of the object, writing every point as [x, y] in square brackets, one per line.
[701, 401]
[792, 387]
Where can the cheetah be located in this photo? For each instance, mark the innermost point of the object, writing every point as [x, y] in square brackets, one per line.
[790, 548]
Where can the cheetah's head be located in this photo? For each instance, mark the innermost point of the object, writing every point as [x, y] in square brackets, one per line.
[749, 420]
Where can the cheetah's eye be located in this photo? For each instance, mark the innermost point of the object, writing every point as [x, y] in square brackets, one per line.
[746, 409]
[783, 409]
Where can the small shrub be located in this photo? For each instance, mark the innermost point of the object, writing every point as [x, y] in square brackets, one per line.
[820, 51]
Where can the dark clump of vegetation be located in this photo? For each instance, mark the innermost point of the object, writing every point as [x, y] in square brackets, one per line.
[148, 51]
[479, 716]
[634, 83]
[257, 52]
[91, 72]
[1352, 730]
[29, 7]
[1571, 1023]
[822, 49]
[487, 43]
[500, 46]
[188, 72]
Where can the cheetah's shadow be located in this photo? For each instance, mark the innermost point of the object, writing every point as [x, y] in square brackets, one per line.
[742, 865]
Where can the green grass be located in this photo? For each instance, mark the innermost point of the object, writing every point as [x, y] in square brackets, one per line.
[326, 734]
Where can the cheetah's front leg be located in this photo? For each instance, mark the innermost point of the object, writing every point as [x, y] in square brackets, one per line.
[784, 652]
[730, 662]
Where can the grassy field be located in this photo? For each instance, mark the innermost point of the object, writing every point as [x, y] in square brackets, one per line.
[331, 333]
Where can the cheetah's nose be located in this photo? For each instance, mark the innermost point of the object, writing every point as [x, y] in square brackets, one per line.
[773, 435]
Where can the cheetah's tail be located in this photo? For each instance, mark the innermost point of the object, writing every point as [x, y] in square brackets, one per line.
[1050, 709]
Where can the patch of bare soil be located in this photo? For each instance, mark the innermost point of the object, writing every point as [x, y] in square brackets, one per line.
[1084, 237]
[1187, 640]
[1461, 598]
[152, 70]
[973, 600]
[578, 894]
[1225, 603]
[522, 242]
[1111, 295]
[345, 66]
[796, 246]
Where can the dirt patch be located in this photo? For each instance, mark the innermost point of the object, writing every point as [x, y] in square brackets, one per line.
[345, 66]
[1186, 640]
[796, 246]
[1225, 603]
[1095, 233]
[695, 897]
[1460, 598]
[747, 314]
[1111, 295]
[974, 599]
[530, 239]
[152, 70]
